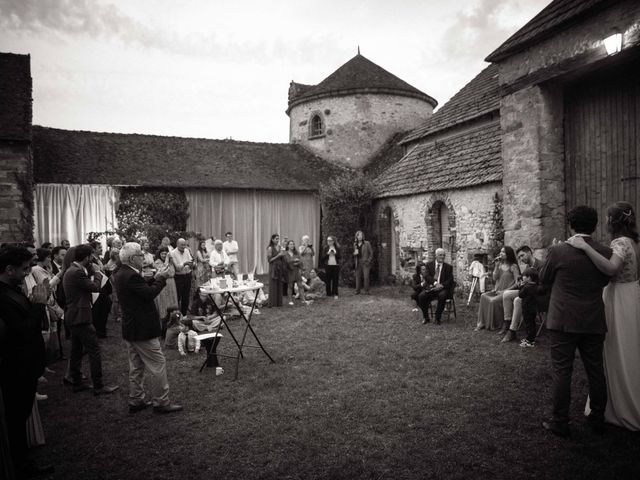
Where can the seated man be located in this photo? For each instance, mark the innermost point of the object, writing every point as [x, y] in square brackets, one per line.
[511, 303]
[439, 283]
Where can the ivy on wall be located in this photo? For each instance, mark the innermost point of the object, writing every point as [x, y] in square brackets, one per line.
[347, 206]
[497, 226]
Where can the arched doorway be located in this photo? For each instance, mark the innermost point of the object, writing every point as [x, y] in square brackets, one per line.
[386, 232]
[441, 228]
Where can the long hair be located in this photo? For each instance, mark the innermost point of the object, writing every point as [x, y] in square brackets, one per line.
[511, 256]
[355, 238]
[271, 242]
[621, 221]
[335, 241]
[201, 248]
[295, 250]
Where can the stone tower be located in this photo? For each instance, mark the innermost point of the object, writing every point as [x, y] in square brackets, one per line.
[353, 112]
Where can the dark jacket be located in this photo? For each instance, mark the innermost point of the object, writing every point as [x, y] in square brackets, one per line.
[576, 285]
[78, 288]
[365, 253]
[140, 318]
[416, 284]
[446, 276]
[324, 257]
[22, 351]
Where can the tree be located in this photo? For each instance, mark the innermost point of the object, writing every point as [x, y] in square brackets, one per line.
[347, 206]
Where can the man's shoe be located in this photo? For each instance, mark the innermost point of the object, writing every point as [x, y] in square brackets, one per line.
[106, 389]
[510, 336]
[438, 321]
[167, 408]
[81, 387]
[139, 407]
[505, 328]
[426, 320]
[557, 429]
[597, 426]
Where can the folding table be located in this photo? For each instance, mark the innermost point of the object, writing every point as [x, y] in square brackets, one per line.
[211, 290]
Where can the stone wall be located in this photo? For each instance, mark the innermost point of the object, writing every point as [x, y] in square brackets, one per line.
[356, 126]
[533, 160]
[470, 228]
[531, 113]
[16, 192]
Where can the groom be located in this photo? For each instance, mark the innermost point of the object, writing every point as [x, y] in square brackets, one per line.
[576, 320]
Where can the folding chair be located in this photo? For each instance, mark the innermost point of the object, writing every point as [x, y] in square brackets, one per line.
[542, 317]
[449, 305]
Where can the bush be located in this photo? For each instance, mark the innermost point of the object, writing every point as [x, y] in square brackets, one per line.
[347, 206]
[152, 213]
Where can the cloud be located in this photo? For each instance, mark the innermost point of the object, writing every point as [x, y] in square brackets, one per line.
[69, 20]
[476, 32]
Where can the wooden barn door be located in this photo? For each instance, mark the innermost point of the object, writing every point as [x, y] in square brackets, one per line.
[602, 136]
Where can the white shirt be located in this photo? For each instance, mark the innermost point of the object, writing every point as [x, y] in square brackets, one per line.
[218, 257]
[231, 249]
[194, 342]
[179, 260]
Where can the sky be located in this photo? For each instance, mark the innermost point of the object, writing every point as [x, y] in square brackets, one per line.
[222, 68]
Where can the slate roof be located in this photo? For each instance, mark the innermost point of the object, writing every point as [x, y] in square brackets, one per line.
[358, 75]
[15, 97]
[68, 156]
[468, 159]
[478, 97]
[556, 16]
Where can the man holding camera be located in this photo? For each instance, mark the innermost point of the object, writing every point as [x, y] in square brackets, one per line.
[79, 282]
[183, 262]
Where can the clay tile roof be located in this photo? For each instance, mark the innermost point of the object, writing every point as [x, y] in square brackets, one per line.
[558, 15]
[478, 97]
[15, 97]
[67, 156]
[358, 75]
[468, 159]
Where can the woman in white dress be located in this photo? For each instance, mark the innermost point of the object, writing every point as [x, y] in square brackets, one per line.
[622, 308]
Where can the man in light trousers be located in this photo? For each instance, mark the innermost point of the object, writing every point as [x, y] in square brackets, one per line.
[141, 331]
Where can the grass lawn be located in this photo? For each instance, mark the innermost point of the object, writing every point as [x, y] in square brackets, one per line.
[360, 390]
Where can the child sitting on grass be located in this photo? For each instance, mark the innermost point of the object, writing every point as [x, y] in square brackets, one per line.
[188, 341]
[528, 294]
[171, 327]
[316, 288]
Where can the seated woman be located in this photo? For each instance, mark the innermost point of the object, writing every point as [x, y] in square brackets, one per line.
[316, 288]
[207, 320]
[505, 275]
[418, 281]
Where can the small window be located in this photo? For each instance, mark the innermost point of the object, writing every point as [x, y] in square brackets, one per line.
[317, 126]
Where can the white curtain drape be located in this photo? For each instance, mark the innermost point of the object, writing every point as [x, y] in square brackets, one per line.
[253, 216]
[71, 212]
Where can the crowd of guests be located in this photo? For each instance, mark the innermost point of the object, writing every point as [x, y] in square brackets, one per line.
[54, 295]
[590, 296]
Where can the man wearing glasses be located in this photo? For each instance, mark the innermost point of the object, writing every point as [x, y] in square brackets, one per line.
[141, 331]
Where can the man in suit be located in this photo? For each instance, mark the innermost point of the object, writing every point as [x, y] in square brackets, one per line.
[22, 350]
[141, 330]
[79, 282]
[576, 319]
[439, 278]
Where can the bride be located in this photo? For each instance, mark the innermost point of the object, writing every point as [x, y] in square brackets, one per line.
[622, 307]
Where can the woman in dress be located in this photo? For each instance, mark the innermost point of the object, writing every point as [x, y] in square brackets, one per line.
[306, 255]
[316, 288]
[168, 297]
[203, 269]
[294, 267]
[622, 309]
[276, 270]
[330, 260]
[505, 276]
